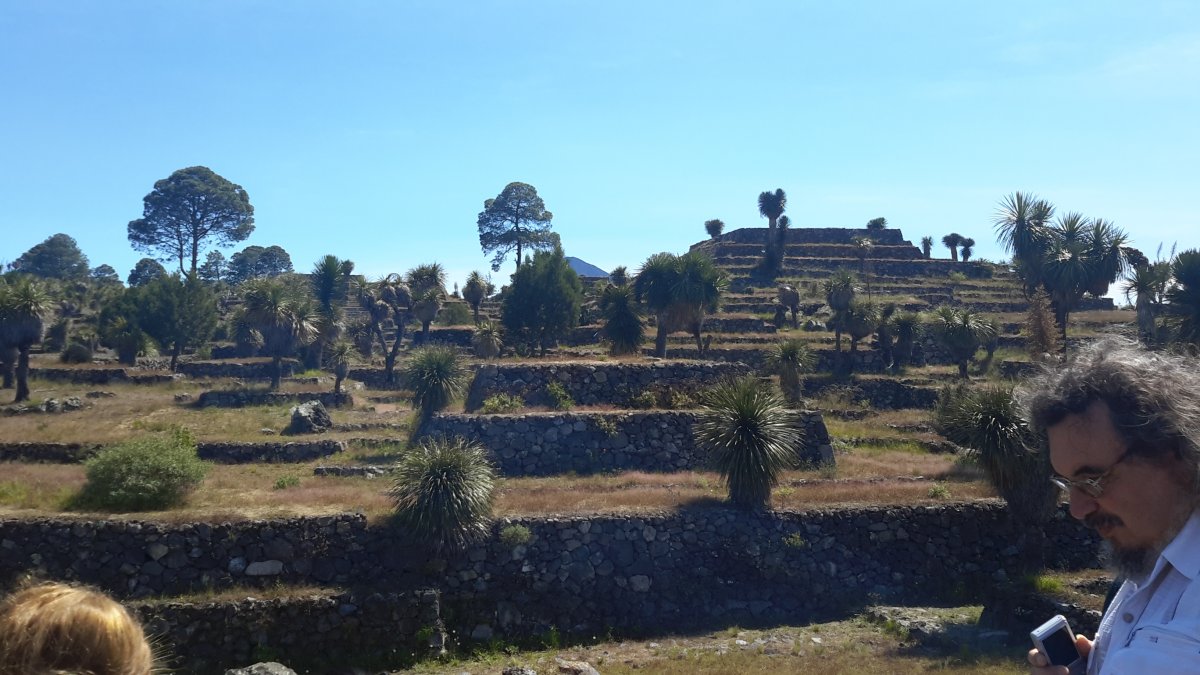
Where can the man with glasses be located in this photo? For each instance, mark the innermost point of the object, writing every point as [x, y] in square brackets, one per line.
[1122, 426]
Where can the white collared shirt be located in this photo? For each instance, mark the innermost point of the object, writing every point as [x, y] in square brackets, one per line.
[1153, 626]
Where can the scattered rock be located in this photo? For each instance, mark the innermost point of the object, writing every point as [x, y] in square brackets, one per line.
[183, 397]
[309, 417]
[518, 670]
[101, 394]
[575, 667]
[266, 431]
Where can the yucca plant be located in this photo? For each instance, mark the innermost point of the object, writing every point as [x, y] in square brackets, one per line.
[987, 421]
[435, 376]
[961, 331]
[790, 359]
[488, 340]
[752, 435]
[475, 291]
[443, 492]
[341, 355]
[23, 309]
[624, 328]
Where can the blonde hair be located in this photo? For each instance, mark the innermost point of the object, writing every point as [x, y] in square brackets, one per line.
[60, 628]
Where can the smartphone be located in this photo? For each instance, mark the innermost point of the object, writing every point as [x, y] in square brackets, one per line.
[1056, 641]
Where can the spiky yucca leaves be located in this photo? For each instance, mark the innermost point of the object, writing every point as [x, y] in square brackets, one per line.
[714, 227]
[435, 375]
[1184, 298]
[987, 422]
[475, 291]
[283, 318]
[443, 493]
[1146, 286]
[961, 331]
[425, 308]
[23, 308]
[952, 242]
[906, 326]
[752, 435]
[341, 355]
[624, 328]
[790, 359]
[839, 293]
[488, 340]
[926, 246]
[619, 276]
[860, 320]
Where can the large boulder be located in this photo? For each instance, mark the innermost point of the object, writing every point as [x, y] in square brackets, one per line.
[309, 417]
[269, 668]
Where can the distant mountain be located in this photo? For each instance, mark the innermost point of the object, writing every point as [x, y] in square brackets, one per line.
[585, 269]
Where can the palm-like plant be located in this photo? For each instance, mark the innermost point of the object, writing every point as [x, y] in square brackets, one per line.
[427, 283]
[284, 320]
[389, 295]
[680, 291]
[877, 224]
[619, 276]
[435, 376]
[753, 436]
[23, 309]
[987, 422]
[926, 246]
[863, 248]
[1107, 261]
[860, 319]
[341, 355]
[839, 293]
[771, 206]
[425, 308]
[961, 331]
[968, 248]
[1021, 227]
[624, 328]
[714, 227]
[488, 340]
[1065, 275]
[789, 359]
[443, 492]
[952, 241]
[1184, 296]
[906, 326]
[475, 291]
[1146, 287]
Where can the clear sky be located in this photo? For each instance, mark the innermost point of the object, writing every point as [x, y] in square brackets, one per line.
[375, 130]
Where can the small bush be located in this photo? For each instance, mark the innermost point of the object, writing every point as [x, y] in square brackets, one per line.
[560, 399]
[643, 401]
[957, 277]
[76, 353]
[443, 493]
[285, 482]
[435, 376]
[455, 314]
[795, 540]
[606, 425]
[149, 473]
[500, 404]
[513, 536]
[939, 491]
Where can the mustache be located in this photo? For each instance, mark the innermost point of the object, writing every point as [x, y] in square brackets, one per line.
[1099, 520]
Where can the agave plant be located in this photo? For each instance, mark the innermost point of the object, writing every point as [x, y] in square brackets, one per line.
[839, 293]
[906, 326]
[488, 340]
[443, 492]
[475, 291]
[435, 376]
[1184, 297]
[425, 308]
[284, 320]
[790, 359]
[987, 422]
[23, 309]
[752, 435]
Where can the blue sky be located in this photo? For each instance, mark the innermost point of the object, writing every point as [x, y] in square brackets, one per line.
[375, 130]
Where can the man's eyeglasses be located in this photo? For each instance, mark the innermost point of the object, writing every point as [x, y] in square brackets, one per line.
[1092, 487]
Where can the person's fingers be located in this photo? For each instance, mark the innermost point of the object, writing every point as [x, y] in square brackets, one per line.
[1036, 659]
[1083, 644]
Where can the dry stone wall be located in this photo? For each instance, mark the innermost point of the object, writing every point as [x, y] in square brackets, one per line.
[240, 398]
[542, 444]
[256, 369]
[220, 452]
[698, 566]
[595, 383]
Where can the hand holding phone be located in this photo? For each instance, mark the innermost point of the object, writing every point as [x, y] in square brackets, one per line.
[1055, 640]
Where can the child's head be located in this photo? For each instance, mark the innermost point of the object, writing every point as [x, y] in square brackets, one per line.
[54, 627]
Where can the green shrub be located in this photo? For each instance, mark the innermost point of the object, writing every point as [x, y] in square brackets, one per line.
[643, 401]
[939, 491]
[149, 473]
[560, 399]
[606, 425]
[513, 536]
[443, 493]
[288, 481]
[499, 404]
[455, 314]
[795, 540]
[435, 376]
[76, 353]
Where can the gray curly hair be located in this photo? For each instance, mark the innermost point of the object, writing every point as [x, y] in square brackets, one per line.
[1153, 398]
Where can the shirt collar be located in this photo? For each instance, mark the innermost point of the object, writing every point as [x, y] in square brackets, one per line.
[1184, 550]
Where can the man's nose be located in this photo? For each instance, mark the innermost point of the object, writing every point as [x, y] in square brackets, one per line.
[1082, 505]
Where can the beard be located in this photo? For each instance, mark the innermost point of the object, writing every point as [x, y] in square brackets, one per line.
[1134, 562]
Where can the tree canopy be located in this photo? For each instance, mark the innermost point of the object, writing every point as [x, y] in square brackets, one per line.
[542, 302]
[516, 219]
[256, 262]
[145, 271]
[58, 257]
[188, 210]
